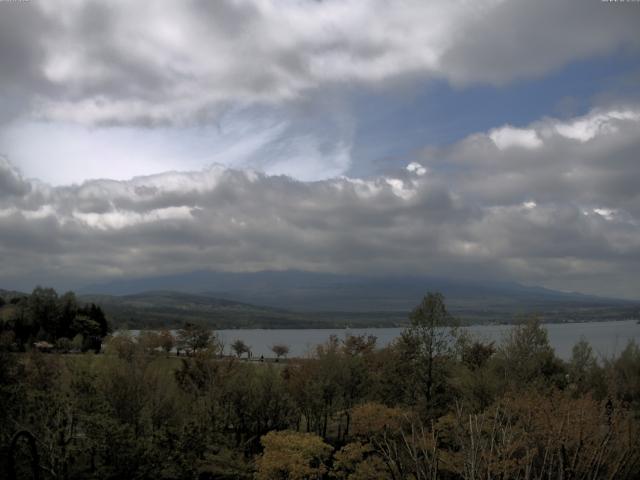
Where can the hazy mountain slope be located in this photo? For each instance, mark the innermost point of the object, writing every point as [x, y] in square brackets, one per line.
[309, 300]
[172, 309]
[293, 298]
[306, 291]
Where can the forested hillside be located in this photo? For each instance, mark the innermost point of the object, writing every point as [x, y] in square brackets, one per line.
[322, 295]
[434, 404]
[170, 309]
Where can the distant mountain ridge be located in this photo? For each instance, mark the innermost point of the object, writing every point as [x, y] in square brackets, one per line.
[307, 292]
[294, 299]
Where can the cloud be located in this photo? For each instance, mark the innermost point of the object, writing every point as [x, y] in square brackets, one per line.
[11, 181]
[416, 168]
[307, 147]
[589, 160]
[586, 128]
[565, 214]
[510, 39]
[508, 137]
[97, 63]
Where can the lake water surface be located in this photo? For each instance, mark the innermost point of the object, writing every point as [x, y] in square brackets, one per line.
[606, 338]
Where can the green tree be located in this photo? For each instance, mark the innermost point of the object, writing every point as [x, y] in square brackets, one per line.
[240, 348]
[624, 374]
[43, 311]
[355, 372]
[430, 343]
[45, 316]
[280, 349]
[584, 372]
[63, 344]
[475, 354]
[192, 338]
[528, 358]
[95, 313]
[358, 345]
[77, 342]
[90, 331]
[68, 310]
[329, 379]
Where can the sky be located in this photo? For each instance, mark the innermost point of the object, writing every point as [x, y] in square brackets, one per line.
[467, 139]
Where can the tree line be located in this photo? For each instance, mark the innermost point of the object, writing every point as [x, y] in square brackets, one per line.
[435, 404]
[52, 321]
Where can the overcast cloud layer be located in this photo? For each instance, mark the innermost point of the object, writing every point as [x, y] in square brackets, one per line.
[167, 61]
[556, 203]
[147, 96]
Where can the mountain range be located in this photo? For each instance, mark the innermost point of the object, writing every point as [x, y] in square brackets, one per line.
[277, 299]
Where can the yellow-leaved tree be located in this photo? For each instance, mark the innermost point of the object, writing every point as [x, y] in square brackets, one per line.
[292, 455]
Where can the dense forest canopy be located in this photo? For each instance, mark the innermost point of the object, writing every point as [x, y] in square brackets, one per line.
[436, 403]
[57, 320]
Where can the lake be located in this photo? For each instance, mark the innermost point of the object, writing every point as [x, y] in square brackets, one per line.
[606, 338]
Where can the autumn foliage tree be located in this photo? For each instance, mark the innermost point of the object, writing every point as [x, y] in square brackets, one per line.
[293, 456]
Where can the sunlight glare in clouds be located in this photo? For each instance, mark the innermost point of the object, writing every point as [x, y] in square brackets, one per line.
[72, 153]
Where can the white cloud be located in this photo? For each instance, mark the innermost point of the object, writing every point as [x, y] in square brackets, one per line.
[586, 128]
[555, 167]
[606, 213]
[118, 220]
[417, 168]
[509, 137]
